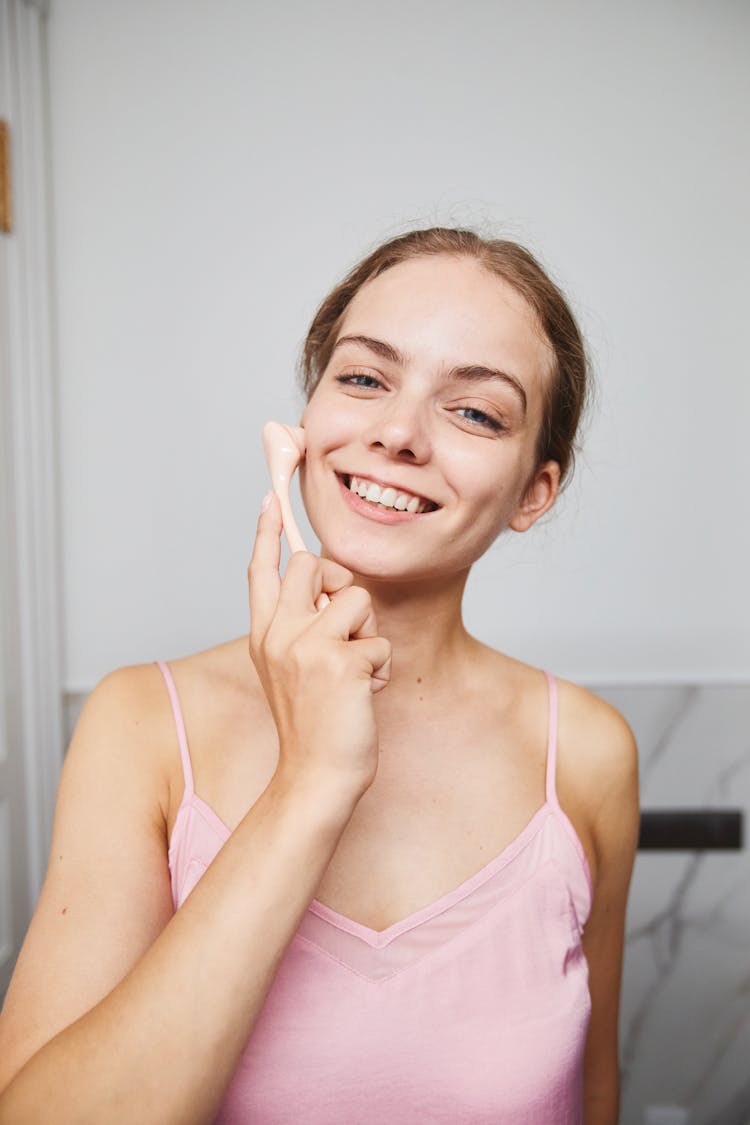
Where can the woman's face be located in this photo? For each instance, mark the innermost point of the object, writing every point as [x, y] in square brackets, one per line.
[395, 412]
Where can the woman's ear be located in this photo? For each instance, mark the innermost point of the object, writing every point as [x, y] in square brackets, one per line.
[539, 497]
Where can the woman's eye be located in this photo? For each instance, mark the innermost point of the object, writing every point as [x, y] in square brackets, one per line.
[357, 375]
[484, 419]
[363, 378]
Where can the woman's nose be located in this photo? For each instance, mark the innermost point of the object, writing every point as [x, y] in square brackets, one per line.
[400, 430]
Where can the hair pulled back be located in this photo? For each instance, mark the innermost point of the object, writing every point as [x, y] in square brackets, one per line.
[568, 389]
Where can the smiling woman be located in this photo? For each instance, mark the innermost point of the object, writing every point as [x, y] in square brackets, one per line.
[569, 389]
[270, 880]
[467, 355]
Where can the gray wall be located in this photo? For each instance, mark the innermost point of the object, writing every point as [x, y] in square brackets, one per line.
[216, 169]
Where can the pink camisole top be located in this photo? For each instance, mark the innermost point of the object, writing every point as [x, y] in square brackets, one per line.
[475, 1009]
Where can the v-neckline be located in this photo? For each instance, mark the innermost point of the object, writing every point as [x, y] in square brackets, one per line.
[379, 938]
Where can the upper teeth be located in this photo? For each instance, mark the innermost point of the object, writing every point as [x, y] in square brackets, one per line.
[388, 497]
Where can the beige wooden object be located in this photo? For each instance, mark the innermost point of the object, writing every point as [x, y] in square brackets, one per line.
[6, 210]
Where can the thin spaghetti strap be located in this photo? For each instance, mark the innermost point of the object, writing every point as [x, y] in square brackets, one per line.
[551, 793]
[187, 769]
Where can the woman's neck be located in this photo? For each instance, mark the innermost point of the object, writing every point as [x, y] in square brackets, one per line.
[431, 647]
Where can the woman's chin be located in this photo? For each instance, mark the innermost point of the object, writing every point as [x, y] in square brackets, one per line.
[373, 566]
[357, 559]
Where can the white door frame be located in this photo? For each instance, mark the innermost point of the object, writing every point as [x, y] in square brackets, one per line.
[30, 598]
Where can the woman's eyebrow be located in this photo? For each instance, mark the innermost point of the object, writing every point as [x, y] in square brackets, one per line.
[471, 373]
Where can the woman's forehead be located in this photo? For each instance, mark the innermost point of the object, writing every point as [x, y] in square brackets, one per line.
[444, 309]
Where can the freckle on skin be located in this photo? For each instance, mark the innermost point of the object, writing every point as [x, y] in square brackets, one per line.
[419, 679]
[64, 910]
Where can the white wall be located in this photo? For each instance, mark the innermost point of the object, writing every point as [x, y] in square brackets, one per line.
[217, 167]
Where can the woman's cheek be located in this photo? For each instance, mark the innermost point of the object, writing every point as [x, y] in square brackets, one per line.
[302, 476]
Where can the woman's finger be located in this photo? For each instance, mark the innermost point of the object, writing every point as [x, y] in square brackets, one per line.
[349, 614]
[379, 653]
[306, 577]
[263, 576]
[376, 655]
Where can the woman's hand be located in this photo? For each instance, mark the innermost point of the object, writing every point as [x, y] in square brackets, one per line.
[316, 668]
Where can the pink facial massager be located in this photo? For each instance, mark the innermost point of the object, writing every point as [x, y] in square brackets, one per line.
[284, 447]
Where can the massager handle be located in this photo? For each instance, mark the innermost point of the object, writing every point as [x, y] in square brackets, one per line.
[284, 448]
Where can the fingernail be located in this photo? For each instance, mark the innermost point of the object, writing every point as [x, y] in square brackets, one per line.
[265, 503]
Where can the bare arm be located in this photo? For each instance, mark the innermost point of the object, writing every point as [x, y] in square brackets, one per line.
[112, 992]
[194, 983]
[615, 796]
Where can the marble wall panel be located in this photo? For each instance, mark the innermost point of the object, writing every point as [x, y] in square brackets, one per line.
[685, 1008]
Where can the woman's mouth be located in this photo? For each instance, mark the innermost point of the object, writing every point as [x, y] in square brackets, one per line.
[383, 504]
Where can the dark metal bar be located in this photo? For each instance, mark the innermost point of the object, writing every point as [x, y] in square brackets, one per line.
[691, 830]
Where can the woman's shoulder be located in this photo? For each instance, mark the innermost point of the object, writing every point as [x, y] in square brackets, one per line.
[141, 692]
[603, 738]
[598, 772]
[597, 755]
[582, 705]
[129, 712]
[588, 719]
[221, 662]
[216, 681]
[136, 695]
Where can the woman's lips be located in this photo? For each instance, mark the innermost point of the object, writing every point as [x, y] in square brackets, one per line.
[376, 512]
